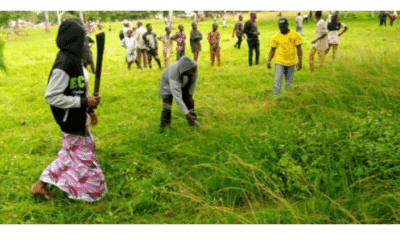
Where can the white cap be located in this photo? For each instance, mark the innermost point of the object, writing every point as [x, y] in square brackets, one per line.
[125, 22]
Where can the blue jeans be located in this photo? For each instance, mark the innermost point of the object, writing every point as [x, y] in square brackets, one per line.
[281, 70]
[299, 29]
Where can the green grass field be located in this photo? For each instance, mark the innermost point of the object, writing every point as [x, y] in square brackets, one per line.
[325, 152]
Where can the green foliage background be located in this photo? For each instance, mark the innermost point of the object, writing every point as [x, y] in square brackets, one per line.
[324, 152]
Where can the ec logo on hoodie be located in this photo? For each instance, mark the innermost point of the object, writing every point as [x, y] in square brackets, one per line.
[77, 82]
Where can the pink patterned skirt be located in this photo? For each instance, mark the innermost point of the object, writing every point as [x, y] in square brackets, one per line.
[76, 169]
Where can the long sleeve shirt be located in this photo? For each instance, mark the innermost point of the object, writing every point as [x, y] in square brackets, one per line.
[180, 38]
[173, 80]
[166, 39]
[54, 95]
[139, 37]
[195, 38]
[250, 27]
[130, 44]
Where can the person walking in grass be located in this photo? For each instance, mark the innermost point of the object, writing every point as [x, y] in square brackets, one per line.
[305, 17]
[224, 20]
[76, 170]
[284, 45]
[320, 43]
[382, 18]
[141, 50]
[251, 30]
[150, 41]
[392, 17]
[180, 38]
[195, 38]
[213, 39]
[239, 31]
[130, 43]
[167, 48]
[333, 34]
[299, 23]
[178, 81]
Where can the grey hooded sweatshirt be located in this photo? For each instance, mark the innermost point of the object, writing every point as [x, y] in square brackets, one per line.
[66, 87]
[174, 79]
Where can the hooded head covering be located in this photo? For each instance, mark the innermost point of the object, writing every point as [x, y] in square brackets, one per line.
[186, 64]
[70, 38]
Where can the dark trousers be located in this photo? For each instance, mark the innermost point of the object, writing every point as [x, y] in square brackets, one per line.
[153, 53]
[237, 44]
[383, 21]
[254, 44]
[167, 102]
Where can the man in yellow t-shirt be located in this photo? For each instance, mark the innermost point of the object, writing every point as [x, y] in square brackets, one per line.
[285, 44]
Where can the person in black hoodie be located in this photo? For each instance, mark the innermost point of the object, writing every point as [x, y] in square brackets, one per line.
[75, 170]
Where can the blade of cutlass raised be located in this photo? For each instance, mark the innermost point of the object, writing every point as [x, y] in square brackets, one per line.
[100, 42]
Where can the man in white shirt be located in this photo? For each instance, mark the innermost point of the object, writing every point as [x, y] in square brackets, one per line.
[130, 43]
[141, 50]
[320, 43]
[299, 25]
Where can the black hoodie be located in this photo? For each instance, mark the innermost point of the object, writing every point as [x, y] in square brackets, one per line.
[66, 86]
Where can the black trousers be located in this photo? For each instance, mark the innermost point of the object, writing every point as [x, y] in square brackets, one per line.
[254, 44]
[167, 102]
[383, 21]
[239, 42]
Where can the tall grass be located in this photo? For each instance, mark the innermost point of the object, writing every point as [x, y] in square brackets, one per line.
[325, 151]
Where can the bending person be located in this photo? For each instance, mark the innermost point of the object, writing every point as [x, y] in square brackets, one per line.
[178, 82]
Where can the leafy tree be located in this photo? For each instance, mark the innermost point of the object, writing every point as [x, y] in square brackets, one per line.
[2, 64]
[91, 15]
[4, 18]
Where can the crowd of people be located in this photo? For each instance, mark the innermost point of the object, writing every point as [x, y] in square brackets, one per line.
[76, 169]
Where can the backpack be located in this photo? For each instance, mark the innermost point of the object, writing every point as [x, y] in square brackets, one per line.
[121, 35]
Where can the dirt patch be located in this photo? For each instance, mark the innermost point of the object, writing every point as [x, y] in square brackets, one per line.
[14, 36]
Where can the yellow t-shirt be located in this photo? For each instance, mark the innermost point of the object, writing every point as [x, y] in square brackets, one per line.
[286, 47]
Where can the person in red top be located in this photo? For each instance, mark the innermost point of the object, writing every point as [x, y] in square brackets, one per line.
[213, 38]
[239, 31]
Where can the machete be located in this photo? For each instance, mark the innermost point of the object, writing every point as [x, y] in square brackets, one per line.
[100, 42]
